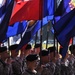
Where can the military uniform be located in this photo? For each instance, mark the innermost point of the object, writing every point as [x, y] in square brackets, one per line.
[24, 66]
[58, 67]
[28, 72]
[1, 68]
[22, 62]
[72, 61]
[31, 59]
[16, 67]
[4, 68]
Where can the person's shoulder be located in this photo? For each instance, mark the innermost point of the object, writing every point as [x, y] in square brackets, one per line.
[25, 73]
[1, 65]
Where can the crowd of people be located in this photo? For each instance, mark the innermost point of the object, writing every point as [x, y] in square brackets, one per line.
[33, 61]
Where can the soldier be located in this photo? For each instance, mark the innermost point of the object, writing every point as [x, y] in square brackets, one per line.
[37, 48]
[53, 60]
[16, 65]
[31, 61]
[26, 51]
[4, 67]
[72, 60]
[65, 65]
[45, 62]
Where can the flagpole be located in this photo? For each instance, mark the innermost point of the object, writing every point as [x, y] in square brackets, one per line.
[48, 26]
[41, 42]
[8, 42]
[41, 18]
[54, 23]
[57, 47]
[35, 39]
[21, 36]
[72, 46]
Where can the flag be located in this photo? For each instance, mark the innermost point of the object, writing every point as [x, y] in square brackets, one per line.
[66, 28]
[31, 31]
[64, 25]
[27, 10]
[2, 9]
[62, 10]
[51, 7]
[16, 29]
[5, 21]
[48, 8]
[63, 51]
[32, 10]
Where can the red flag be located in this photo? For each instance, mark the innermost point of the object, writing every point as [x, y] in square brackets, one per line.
[27, 10]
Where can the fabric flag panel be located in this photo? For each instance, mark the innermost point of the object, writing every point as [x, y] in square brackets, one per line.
[31, 31]
[16, 29]
[27, 10]
[5, 21]
[62, 26]
[62, 10]
[63, 51]
[62, 23]
[2, 9]
[51, 7]
[67, 26]
[32, 10]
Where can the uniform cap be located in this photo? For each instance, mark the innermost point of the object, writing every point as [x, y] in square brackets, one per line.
[28, 46]
[72, 47]
[2, 49]
[51, 49]
[44, 52]
[32, 57]
[37, 45]
[13, 47]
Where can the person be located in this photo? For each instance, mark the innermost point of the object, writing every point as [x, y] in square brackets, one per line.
[24, 52]
[48, 67]
[27, 49]
[72, 60]
[13, 51]
[31, 61]
[55, 60]
[37, 48]
[4, 66]
[15, 63]
[72, 49]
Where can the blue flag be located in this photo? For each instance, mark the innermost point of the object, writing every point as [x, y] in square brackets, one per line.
[47, 15]
[67, 28]
[31, 31]
[5, 21]
[62, 10]
[16, 29]
[68, 32]
[48, 8]
[64, 25]
[63, 51]
[51, 7]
